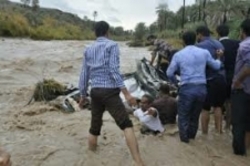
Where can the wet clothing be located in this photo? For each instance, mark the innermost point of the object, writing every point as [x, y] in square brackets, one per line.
[152, 123]
[213, 76]
[190, 102]
[212, 46]
[167, 109]
[240, 120]
[241, 100]
[107, 99]
[243, 59]
[230, 54]
[191, 62]
[162, 48]
[215, 99]
[101, 67]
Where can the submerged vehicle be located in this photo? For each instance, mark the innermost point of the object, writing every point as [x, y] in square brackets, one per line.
[145, 80]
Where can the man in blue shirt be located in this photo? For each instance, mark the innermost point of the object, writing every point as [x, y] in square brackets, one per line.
[102, 67]
[191, 62]
[216, 81]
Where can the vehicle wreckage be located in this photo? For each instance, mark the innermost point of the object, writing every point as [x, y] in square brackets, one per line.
[145, 80]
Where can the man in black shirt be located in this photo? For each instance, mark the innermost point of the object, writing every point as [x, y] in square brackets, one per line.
[231, 48]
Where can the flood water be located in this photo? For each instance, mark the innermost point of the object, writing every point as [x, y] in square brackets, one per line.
[40, 135]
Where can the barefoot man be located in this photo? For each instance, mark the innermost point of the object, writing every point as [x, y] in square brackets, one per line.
[4, 158]
[102, 67]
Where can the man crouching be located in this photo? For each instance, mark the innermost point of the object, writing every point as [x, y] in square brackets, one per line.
[149, 117]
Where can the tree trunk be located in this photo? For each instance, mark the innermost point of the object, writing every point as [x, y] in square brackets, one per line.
[204, 12]
[199, 10]
[183, 14]
[248, 13]
[224, 17]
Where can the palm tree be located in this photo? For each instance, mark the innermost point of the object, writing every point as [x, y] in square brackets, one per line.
[221, 11]
[95, 15]
[162, 11]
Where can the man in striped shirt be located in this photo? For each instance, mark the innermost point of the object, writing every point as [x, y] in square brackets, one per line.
[102, 67]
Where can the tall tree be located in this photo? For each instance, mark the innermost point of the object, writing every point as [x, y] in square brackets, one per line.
[25, 2]
[35, 4]
[140, 31]
[221, 11]
[95, 14]
[183, 14]
[162, 11]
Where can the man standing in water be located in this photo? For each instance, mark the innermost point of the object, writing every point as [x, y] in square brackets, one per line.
[241, 94]
[191, 62]
[216, 81]
[102, 66]
[161, 51]
[231, 48]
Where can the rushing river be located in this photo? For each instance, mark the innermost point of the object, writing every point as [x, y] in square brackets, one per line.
[40, 135]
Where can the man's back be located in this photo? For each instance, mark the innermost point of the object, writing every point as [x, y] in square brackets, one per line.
[191, 62]
[243, 59]
[102, 61]
[167, 108]
[230, 54]
[212, 46]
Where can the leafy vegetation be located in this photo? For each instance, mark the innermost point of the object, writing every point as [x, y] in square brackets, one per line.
[29, 20]
[212, 13]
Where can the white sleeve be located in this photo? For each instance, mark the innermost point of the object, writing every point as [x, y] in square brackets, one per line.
[135, 113]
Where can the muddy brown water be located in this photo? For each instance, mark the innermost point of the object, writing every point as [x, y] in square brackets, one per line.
[40, 135]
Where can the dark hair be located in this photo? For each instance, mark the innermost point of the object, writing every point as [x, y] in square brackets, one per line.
[189, 38]
[222, 30]
[101, 28]
[203, 30]
[151, 37]
[149, 98]
[164, 88]
[245, 26]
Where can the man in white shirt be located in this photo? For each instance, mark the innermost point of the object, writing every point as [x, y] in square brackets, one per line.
[148, 116]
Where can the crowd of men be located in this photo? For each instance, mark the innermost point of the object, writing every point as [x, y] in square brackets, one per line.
[215, 74]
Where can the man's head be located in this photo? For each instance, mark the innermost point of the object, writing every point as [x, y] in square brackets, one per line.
[151, 39]
[164, 89]
[222, 30]
[146, 102]
[202, 32]
[101, 29]
[189, 38]
[245, 29]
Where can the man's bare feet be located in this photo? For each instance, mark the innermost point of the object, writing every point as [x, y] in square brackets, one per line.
[4, 158]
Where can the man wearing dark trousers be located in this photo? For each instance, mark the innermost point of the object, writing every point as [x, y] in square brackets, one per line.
[216, 81]
[102, 66]
[231, 48]
[241, 94]
[191, 62]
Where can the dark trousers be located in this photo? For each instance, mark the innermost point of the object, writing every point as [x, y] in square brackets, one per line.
[190, 102]
[240, 120]
[107, 99]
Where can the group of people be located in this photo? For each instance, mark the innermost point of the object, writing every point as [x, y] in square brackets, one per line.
[211, 72]
[214, 74]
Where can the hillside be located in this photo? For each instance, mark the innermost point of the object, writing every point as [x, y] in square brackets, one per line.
[17, 20]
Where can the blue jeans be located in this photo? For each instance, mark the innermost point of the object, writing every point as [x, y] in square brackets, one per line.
[191, 99]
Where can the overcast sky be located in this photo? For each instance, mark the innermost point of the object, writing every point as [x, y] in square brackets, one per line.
[126, 13]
